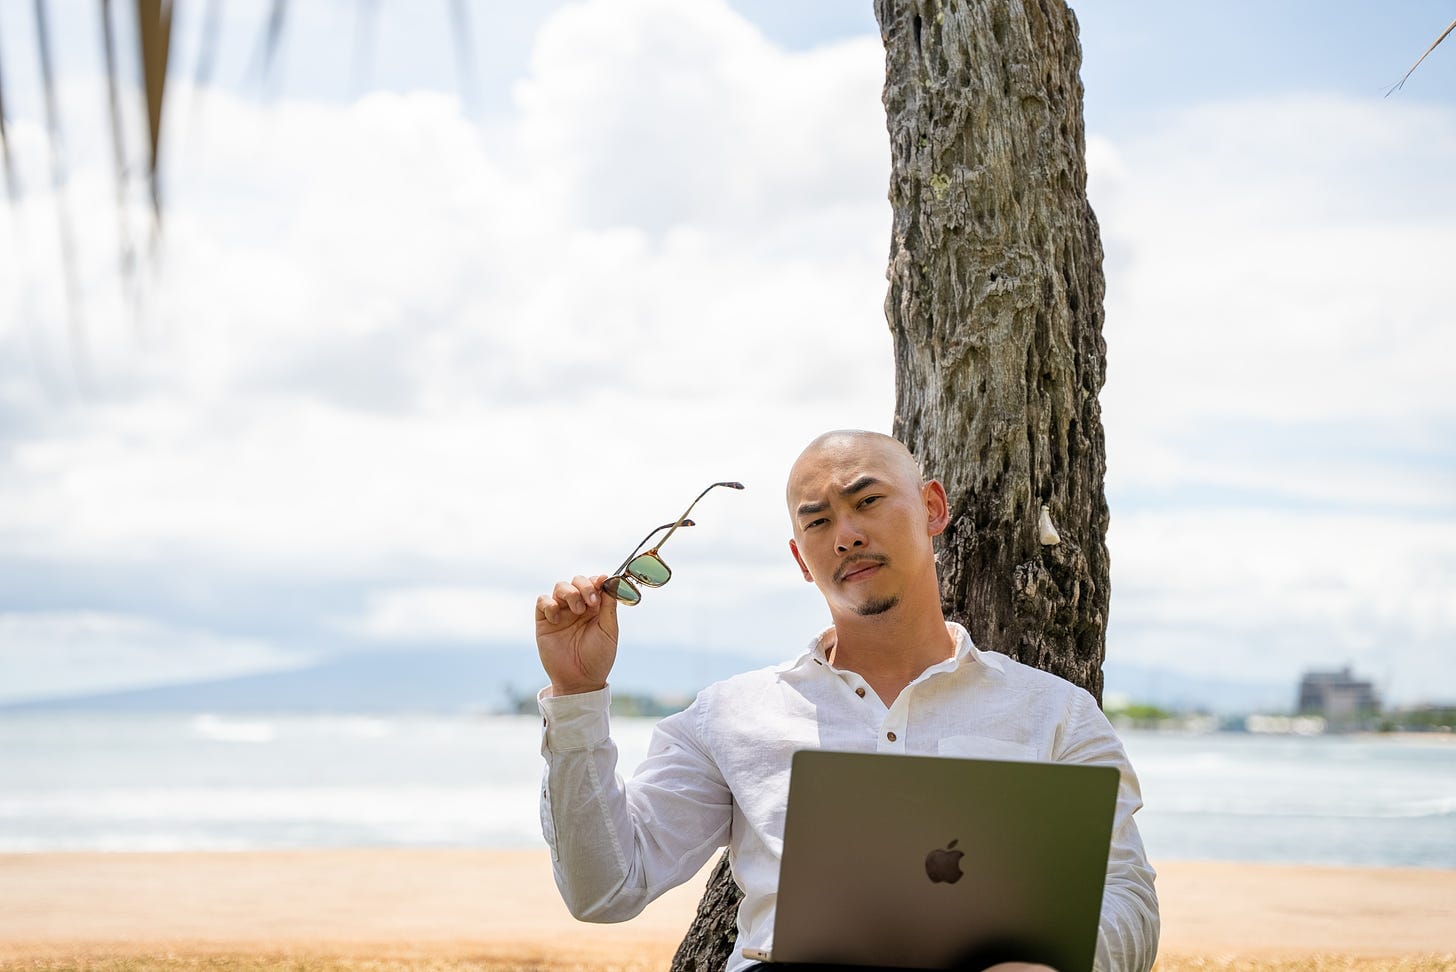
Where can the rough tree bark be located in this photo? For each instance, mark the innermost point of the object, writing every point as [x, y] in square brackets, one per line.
[995, 305]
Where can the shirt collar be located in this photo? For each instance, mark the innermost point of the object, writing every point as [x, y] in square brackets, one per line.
[965, 651]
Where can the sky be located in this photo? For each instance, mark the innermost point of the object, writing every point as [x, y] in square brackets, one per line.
[427, 334]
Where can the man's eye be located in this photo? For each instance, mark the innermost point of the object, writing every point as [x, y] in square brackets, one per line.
[868, 500]
[813, 523]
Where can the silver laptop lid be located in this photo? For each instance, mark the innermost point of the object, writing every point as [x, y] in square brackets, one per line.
[936, 862]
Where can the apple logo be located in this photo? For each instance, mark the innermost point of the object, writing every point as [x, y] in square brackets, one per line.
[945, 865]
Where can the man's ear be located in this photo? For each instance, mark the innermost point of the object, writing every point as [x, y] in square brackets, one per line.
[794, 549]
[937, 507]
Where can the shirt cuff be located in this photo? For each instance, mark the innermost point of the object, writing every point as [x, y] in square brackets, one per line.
[574, 721]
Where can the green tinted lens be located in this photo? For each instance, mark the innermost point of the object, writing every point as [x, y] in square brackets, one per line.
[623, 590]
[649, 569]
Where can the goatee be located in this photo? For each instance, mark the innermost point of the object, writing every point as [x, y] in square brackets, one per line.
[871, 608]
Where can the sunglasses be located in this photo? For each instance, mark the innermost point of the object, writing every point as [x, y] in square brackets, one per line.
[647, 567]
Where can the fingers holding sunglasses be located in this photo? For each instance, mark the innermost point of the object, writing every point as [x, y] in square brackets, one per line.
[576, 635]
[574, 597]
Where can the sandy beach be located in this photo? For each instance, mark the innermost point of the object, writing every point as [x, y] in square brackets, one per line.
[499, 910]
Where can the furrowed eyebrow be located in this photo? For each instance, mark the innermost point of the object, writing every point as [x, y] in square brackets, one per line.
[862, 483]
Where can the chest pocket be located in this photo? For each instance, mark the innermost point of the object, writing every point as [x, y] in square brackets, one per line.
[984, 747]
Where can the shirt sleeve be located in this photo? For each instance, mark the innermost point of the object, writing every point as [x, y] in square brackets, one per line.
[1127, 937]
[616, 846]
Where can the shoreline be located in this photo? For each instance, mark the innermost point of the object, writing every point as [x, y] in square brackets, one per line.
[500, 908]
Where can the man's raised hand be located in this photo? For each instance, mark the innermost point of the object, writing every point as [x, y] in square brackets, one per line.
[576, 635]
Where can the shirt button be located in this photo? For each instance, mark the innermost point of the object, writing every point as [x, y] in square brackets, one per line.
[859, 692]
[890, 736]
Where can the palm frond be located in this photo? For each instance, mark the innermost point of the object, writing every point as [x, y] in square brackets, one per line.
[366, 20]
[207, 47]
[464, 51]
[154, 25]
[59, 179]
[12, 185]
[202, 70]
[1434, 44]
[118, 150]
[268, 44]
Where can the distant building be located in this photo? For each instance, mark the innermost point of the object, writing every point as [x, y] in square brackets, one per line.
[1339, 697]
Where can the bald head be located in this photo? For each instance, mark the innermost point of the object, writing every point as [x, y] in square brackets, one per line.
[847, 445]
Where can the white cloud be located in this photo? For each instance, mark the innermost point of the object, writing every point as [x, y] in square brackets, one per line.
[1269, 290]
[379, 335]
[1277, 259]
[395, 349]
[442, 364]
[1259, 593]
[450, 614]
[654, 113]
[1280, 370]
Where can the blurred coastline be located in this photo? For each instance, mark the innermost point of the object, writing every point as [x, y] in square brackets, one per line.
[183, 782]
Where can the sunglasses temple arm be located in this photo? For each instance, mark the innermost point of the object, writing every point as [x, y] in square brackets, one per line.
[680, 520]
[671, 528]
[661, 543]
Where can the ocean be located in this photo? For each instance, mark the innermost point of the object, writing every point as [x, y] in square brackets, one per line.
[112, 782]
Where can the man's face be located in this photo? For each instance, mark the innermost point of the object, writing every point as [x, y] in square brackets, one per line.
[863, 523]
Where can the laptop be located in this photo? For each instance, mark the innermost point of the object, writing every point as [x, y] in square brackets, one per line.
[930, 862]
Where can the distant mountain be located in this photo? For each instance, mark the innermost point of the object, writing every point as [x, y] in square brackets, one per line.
[415, 681]
[494, 679]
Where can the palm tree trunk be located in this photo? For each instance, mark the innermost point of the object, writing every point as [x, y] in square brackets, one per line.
[995, 305]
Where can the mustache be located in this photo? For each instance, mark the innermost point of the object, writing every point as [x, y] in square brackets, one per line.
[855, 563]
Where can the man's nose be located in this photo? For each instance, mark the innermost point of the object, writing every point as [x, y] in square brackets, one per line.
[848, 539]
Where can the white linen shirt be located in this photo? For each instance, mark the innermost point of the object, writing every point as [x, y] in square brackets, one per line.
[718, 773]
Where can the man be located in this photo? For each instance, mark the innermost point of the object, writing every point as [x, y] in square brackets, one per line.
[890, 675]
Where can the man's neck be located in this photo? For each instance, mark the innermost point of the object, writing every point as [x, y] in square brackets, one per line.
[891, 650]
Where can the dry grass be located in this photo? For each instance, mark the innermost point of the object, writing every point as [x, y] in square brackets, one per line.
[285, 962]
[163, 962]
[1313, 963]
